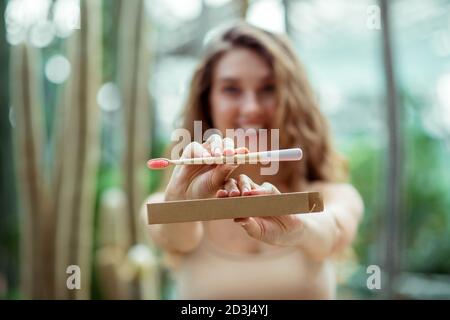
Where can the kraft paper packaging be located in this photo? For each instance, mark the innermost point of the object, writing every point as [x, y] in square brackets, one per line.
[234, 207]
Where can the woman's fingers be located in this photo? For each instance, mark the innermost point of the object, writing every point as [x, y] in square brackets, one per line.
[215, 145]
[221, 173]
[245, 184]
[232, 188]
[221, 193]
[218, 146]
[265, 188]
[249, 188]
[241, 150]
[253, 227]
[228, 146]
[194, 150]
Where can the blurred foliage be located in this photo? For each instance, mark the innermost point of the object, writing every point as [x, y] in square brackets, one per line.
[426, 185]
[427, 197]
[366, 170]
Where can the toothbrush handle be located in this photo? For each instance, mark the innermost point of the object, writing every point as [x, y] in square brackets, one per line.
[253, 157]
[281, 155]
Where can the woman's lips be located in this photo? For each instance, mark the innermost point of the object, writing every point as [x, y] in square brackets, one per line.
[251, 126]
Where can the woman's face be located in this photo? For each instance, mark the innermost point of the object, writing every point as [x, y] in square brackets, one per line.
[243, 91]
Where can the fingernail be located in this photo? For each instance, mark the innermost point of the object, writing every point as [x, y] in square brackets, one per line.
[217, 152]
[234, 193]
[242, 149]
[243, 224]
[228, 152]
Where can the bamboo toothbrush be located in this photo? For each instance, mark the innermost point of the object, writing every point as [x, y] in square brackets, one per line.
[264, 157]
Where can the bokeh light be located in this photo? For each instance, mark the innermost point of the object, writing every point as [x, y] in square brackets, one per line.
[66, 17]
[108, 97]
[22, 15]
[268, 15]
[57, 69]
[42, 34]
[216, 3]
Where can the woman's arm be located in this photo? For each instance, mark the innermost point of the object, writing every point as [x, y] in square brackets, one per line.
[173, 237]
[321, 235]
[318, 235]
[192, 182]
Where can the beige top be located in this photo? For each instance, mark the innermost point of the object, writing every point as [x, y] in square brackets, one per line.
[212, 272]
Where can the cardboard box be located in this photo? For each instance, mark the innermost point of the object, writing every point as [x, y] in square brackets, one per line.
[234, 207]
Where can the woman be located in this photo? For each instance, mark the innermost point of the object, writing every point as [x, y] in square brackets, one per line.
[250, 78]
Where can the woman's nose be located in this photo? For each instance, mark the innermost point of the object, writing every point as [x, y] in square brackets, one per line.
[250, 103]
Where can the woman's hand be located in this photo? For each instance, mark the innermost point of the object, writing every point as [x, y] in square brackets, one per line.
[194, 182]
[278, 230]
[202, 181]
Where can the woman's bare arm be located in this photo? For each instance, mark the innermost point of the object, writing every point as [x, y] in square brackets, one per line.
[318, 235]
[324, 234]
[173, 237]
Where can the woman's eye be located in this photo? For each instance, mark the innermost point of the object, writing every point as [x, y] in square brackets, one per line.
[268, 89]
[231, 90]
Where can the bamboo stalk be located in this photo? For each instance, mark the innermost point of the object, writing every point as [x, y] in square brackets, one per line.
[29, 135]
[113, 227]
[80, 154]
[114, 278]
[114, 242]
[143, 261]
[133, 76]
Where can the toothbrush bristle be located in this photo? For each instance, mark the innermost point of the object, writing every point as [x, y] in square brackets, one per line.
[157, 163]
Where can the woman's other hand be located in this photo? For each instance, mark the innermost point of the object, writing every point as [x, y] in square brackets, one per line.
[276, 230]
